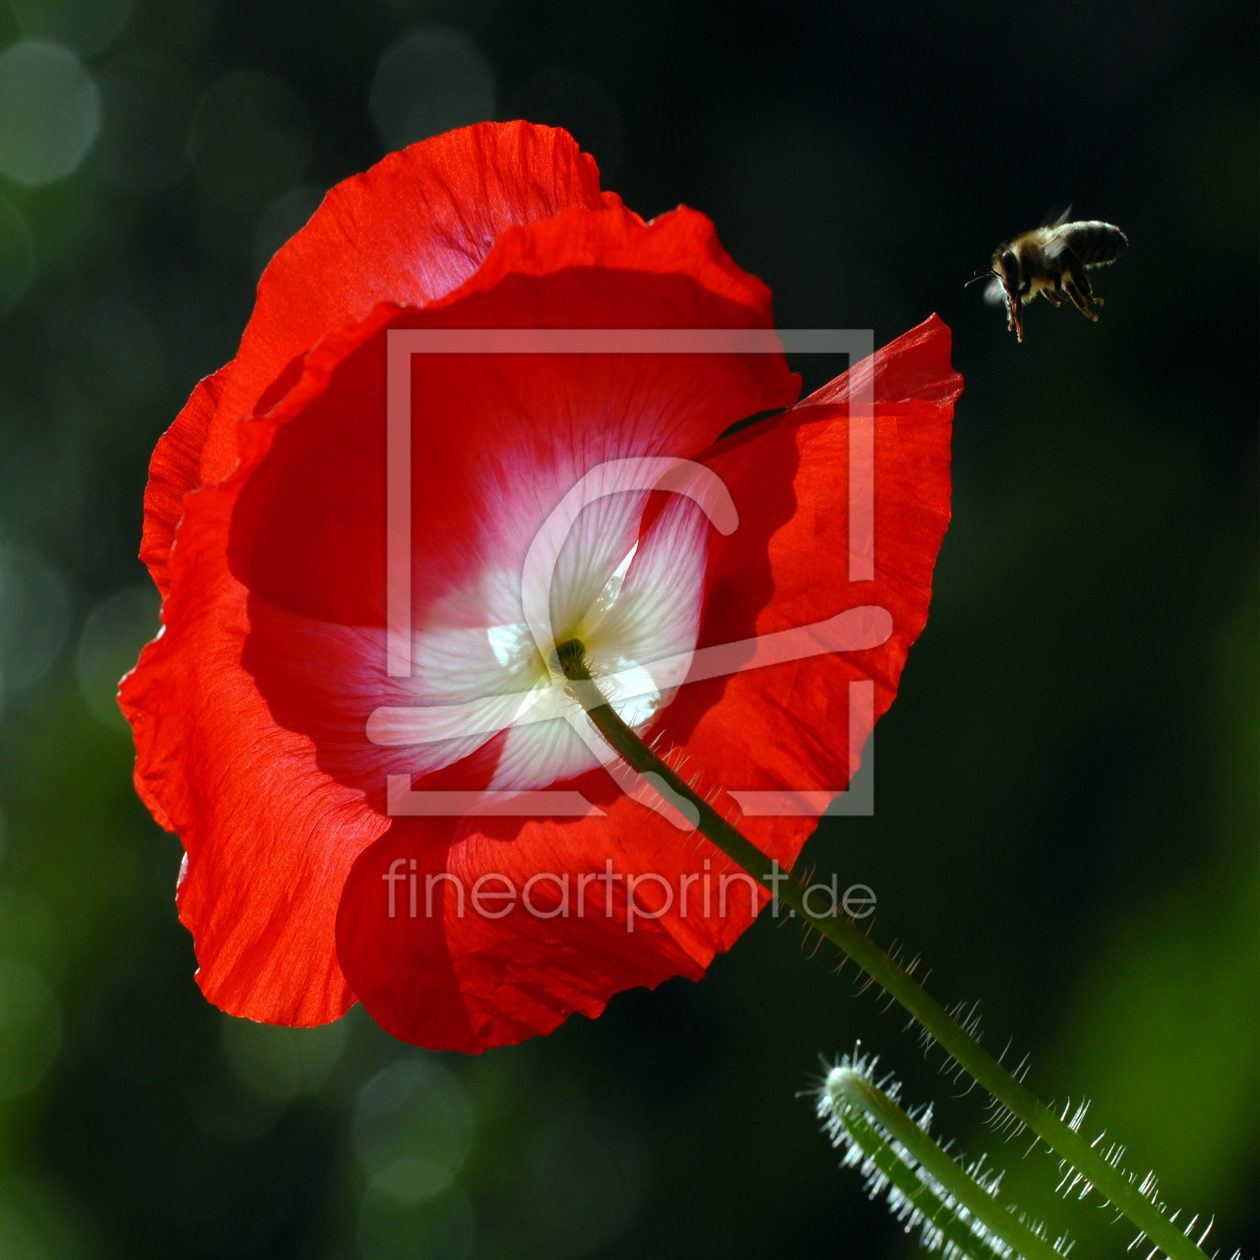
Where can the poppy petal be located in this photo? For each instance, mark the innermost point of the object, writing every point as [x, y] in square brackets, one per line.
[455, 976]
[787, 727]
[268, 836]
[174, 472]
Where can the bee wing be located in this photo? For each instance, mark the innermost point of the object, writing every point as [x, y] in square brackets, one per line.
[1055, 247]
[1056, 217]
[994, 294]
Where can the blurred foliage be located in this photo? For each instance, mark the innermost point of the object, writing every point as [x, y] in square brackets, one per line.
[1067, 810]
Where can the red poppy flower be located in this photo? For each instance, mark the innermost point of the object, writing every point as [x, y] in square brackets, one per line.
[274, 734]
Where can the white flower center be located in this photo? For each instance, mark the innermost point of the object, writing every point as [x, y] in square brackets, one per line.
[485, 661]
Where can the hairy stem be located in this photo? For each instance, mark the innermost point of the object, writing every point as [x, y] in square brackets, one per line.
[1066, 1142]
[865, 1110]
[903, 1177]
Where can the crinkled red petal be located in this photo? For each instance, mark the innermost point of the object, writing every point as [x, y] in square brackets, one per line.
[174, 472]
[786, 727]
[269, 837]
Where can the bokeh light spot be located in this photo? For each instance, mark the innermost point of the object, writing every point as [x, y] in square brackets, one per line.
[113, 634]
[34, 618]
[29, 931]
[50, 112]
[147, 101]
[87, 26]
[250, 141]
[413, 1127]
[17, 257]
[280, 1063]
[431, 80]
[116, 350]
[30, 1029]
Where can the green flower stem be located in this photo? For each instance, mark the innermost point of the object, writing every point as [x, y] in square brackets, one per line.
[865, 1102]
[902, 1176]
[1114, 1185]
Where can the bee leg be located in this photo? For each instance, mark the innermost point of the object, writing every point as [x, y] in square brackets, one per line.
[1051, 298]
[1079, 300]
[1077, 284]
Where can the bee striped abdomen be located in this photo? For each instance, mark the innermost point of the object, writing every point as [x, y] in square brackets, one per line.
[1094, 242]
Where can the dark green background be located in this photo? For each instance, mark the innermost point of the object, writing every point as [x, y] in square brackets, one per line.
[1066, 821]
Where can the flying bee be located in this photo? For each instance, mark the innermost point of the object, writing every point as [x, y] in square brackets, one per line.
[1051, 260]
